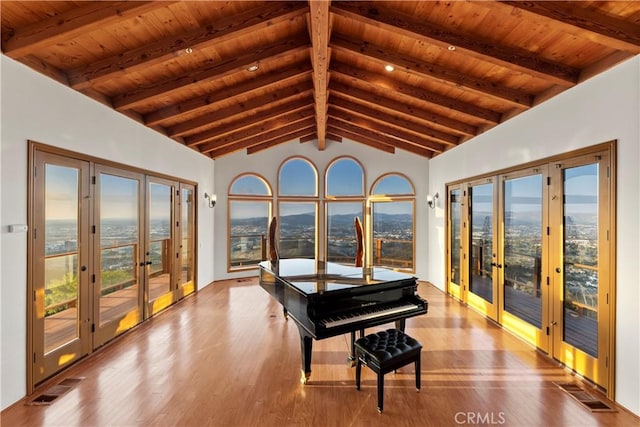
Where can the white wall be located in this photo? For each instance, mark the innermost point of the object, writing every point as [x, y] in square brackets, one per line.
[37, 108]
[375, 163]
[604, 108]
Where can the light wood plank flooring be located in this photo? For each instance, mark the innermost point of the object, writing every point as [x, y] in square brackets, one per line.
[227, 357]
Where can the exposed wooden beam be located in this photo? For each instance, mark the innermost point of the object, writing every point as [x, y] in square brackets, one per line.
[373, 14]
[224, 129]
[307, 125]
[281, 139]
[88, 16]
[46, 69]
[271, 53]
[241, 25]
[397, 122]
[319, 32]
[371, 98]
[402, 136]
[333, 137]
[378, 136]
[273, 98]
[423, 69]
[360, 138]
[263, 82]
[604, 29]
[308, 138]
[289, 122]
[387, 83]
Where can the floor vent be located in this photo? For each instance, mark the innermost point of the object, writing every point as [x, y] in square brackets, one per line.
[51, 394]
[585, 398]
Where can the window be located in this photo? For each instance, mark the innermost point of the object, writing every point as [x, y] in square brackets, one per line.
[386, 214]
[297, 208]
[344, 201]
[250, 209]
[392, 217]
[298, 177]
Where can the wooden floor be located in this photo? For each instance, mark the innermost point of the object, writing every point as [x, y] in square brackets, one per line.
[227, 357]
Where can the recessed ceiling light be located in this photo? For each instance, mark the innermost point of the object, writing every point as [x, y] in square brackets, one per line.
[188, 50]
[389, 67]
[452, 48]
[253, 68]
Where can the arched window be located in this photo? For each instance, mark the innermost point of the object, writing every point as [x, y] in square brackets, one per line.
[344, 201]
[392, 216]
[345, 178]
[298, 177]
[250, 209]
[297, 208]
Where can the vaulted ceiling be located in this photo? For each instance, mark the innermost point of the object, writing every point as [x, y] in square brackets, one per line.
[224, 76]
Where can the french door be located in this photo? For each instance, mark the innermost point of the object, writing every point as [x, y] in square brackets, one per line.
[160, 255]
[118, 252]
[532, 248]
[523, 255]
[483, 266]
[456, 227]
[59, 238]
[187, 241]
[581, 263]
[109, 247]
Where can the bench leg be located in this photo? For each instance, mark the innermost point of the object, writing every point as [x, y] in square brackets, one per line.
[358, 371]
[380, 391]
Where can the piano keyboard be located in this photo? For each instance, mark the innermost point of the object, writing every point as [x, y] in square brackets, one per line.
[373, 313]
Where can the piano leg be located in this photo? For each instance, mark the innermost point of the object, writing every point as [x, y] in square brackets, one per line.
[351, 360]
[306, 344]
[400, 324]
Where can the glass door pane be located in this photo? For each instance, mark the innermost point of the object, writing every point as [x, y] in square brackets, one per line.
[118, 255]
[523, 221]
[61, 264]
[455, 242]
[341, 234]
[187, 240]
[580, 258]
[159, 246]
[482, 258]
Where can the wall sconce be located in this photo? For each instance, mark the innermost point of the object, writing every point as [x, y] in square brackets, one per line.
[431, 200]
[211, 199]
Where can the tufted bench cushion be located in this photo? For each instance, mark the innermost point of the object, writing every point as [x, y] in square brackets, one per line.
[386, 351]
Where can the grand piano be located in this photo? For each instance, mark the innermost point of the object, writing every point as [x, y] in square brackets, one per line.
[326, 299]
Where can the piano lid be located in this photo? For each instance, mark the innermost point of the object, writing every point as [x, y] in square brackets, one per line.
[311, 276]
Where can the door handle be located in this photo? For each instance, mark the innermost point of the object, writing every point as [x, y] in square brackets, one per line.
[558, 270]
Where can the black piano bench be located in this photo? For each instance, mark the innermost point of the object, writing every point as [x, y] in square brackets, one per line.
[386, 351]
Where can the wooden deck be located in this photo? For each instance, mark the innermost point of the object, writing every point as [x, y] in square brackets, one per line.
[580, 330]
[61, 327]
[226, 357]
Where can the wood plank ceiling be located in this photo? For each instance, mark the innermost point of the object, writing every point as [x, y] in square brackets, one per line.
[223, 76]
